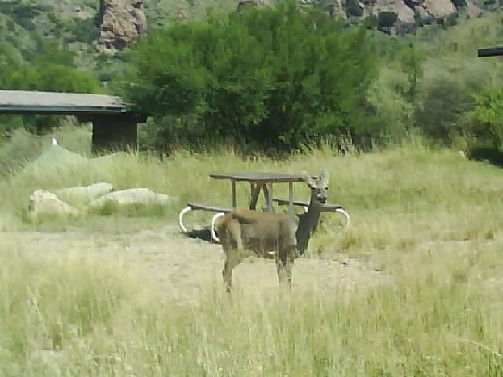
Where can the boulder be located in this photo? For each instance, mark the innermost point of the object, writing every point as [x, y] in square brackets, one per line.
[439, 8]
[86, 192]
[473, 10]
[405, 13]
[46, 202]
[243, 4]
[121, 22]
[335, 9]
[131, 196]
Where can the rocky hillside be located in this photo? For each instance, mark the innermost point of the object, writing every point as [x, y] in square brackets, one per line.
[110, 25]
[392, 13]
[122, 21]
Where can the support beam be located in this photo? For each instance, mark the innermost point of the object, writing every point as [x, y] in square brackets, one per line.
[114, 132]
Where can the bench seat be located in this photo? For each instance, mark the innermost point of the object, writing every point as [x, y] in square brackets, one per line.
[220, 211]
[207, 207]
[301, 203]
[325, 208]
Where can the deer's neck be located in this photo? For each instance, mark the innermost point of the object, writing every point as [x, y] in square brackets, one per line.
[307, 224]
[313, 215]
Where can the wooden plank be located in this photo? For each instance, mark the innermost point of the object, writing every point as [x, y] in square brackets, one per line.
[301, 203]
[258, 177]
[207, 207]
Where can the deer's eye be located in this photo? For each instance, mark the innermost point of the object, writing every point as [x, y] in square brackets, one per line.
[326, 188]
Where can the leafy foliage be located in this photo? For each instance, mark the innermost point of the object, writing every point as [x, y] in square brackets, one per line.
[45, 68]
[275, 78]
[486, 118]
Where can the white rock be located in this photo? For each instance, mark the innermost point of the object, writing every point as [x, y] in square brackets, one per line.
[90, 192]
[46, 202]
[132, 196]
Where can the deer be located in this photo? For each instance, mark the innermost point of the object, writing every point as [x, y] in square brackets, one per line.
[245, 232]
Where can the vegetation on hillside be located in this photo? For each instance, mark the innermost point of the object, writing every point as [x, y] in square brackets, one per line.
[288, 83]
[29, 60]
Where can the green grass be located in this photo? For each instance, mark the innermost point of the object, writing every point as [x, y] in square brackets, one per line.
[430, 219]
[86, 315]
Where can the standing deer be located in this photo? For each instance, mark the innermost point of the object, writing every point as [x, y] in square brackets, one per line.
[287, 234]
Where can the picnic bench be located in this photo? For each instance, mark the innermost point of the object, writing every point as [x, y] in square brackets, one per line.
[259, 182]
[220, 211]
[326, 208]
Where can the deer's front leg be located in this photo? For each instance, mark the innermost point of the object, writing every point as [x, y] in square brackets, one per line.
[232, 258]
[232, 245]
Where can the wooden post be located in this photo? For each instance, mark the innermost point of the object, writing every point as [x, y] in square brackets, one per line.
[268, 192]
[290, 197]
[254, 193]
[234, 200]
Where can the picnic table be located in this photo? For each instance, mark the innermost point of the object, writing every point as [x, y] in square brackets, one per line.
[258, 181]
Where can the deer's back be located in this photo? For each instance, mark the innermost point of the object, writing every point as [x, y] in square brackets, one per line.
[263, 225]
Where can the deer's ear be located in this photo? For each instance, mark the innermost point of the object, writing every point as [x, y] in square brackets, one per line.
[324, 176]
[307, 178]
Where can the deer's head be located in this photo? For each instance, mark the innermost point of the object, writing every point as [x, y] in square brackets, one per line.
[318, 186]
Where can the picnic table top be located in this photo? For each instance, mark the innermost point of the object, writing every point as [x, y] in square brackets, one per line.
[259, 177]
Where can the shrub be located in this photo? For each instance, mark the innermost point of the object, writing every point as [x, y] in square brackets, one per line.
[274, 78]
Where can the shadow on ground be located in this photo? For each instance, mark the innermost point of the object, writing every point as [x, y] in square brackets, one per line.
[201, 234]
[486, 154]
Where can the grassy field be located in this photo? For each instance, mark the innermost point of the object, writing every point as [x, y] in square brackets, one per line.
[429, 220]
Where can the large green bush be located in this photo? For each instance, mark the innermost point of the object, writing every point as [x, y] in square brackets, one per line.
[275, 78]
[485, 121]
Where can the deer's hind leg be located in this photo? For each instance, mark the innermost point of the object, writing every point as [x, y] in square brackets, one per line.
[233, 248]
[284, 265]
[285, 257]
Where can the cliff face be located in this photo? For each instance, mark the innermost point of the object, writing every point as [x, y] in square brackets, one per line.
[121, 22]
[407, 11]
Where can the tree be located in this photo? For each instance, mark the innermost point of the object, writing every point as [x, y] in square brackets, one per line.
[485, 121]
[353, 8]
[273, 78]
[51, 70]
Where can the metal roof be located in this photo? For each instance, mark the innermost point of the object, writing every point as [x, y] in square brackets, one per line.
[36, 102]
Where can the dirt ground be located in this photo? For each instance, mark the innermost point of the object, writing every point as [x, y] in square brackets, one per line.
[185, 267]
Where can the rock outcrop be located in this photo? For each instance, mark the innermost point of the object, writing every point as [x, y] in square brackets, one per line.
[407, 11]
[131, 196]
[439, 8]
[121, 22]
[243, 4]
[336, 9]
[86, 192]
[404, 12]
[43, 202]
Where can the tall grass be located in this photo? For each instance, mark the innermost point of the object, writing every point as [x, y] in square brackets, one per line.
[86, 315]
[430, 218]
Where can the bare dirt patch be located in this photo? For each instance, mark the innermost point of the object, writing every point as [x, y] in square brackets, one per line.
[184, 267]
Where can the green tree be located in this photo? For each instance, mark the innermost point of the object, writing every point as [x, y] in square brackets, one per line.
[485, 121]
[274, 78]
[353, 8]
[52, 70]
